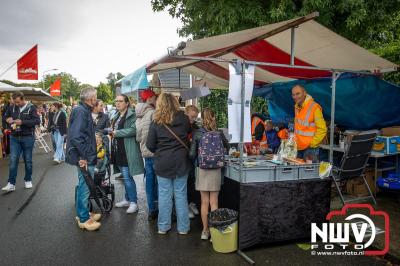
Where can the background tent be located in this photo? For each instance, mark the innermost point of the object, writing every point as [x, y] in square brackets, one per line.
[31, 93]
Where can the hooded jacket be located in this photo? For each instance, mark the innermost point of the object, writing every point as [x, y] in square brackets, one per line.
[144, 116]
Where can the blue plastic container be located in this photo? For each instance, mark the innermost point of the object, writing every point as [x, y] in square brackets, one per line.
[392, 182]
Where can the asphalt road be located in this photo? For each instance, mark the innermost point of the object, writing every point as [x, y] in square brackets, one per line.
[45, 232]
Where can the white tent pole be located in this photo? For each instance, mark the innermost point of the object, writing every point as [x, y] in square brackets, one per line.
[335, 76]
[292, 35]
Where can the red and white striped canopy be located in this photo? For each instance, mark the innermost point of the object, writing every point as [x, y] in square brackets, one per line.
[315, 45]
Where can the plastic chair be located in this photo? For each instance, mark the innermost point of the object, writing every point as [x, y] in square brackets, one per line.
[358, 149]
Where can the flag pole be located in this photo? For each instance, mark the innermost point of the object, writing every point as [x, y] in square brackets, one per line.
[8, 69]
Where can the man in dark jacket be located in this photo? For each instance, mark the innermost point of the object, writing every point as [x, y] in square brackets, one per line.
[81, 152]
[50, 126]
[22, 118]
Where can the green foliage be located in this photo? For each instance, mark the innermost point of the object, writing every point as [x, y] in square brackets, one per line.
[105, 93]
[259, 105]
[112, 79]
[371, 24]
[355, 19]
[217, 101]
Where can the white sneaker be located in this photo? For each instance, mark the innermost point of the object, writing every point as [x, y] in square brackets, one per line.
[28, 185]
[205, 235]
[193, 208]
[57, 161]
[191, 214]
[122, 204]
[132, 208]
[9, 187]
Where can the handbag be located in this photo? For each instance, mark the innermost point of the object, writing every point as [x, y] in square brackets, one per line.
[177, 138]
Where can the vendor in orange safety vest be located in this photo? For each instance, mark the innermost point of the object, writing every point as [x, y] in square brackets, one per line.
[258, 131]
[309, 125]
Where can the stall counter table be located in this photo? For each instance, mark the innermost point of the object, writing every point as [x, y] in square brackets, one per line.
[271, 212]
[376, 156]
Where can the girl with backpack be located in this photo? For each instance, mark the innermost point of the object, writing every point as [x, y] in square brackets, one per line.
[208, 148]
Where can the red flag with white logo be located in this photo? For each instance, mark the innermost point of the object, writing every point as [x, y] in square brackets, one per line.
[55, 88]
[27, 65]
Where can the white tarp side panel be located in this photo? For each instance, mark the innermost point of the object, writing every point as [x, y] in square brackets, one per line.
[319, 46]
[195, 92]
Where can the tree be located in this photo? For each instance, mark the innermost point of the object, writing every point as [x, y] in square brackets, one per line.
[105, 93]
[217, 101]
[70, 86]
[112, 79]
[371, 24]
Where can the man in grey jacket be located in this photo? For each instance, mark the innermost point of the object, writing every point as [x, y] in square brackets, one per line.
[144, 116]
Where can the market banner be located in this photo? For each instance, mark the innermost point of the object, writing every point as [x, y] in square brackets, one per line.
[27, 65]
[55, 88]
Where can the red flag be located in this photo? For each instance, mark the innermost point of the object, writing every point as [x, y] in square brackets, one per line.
[55, 88]
[27, 65]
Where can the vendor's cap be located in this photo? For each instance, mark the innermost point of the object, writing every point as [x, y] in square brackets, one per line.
[146, 94]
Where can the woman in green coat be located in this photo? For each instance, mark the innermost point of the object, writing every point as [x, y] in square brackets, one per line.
[127, 155]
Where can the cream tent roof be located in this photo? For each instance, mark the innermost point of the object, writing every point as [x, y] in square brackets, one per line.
[314, 45]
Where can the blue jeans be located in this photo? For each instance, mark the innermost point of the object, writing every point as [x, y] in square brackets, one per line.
[25, 146]
[59, 151]
[53, 142]
[151, 184]
[130, 185]
[177, 188]
[309, 154]
[82, 196]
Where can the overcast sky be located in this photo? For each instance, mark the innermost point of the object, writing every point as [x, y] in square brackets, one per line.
[87, 38]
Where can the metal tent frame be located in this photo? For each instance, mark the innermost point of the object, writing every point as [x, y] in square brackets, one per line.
[241, 66]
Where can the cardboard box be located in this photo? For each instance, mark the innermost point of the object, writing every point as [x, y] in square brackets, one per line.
[357, 187]
[391, 131]
[387, 145]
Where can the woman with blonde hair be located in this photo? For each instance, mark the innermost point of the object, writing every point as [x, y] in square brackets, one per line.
[208, 148]
[168, 140]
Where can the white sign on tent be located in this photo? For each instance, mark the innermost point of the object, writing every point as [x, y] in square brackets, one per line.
[234, 103]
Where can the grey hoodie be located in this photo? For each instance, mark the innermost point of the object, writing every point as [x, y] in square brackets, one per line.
[144, 117]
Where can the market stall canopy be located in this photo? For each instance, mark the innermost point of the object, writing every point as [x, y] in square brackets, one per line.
[314, 45]
[31, 93]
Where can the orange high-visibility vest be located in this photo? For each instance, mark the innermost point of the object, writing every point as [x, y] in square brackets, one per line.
[283, 134]
[254, 122]
[304, 124]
